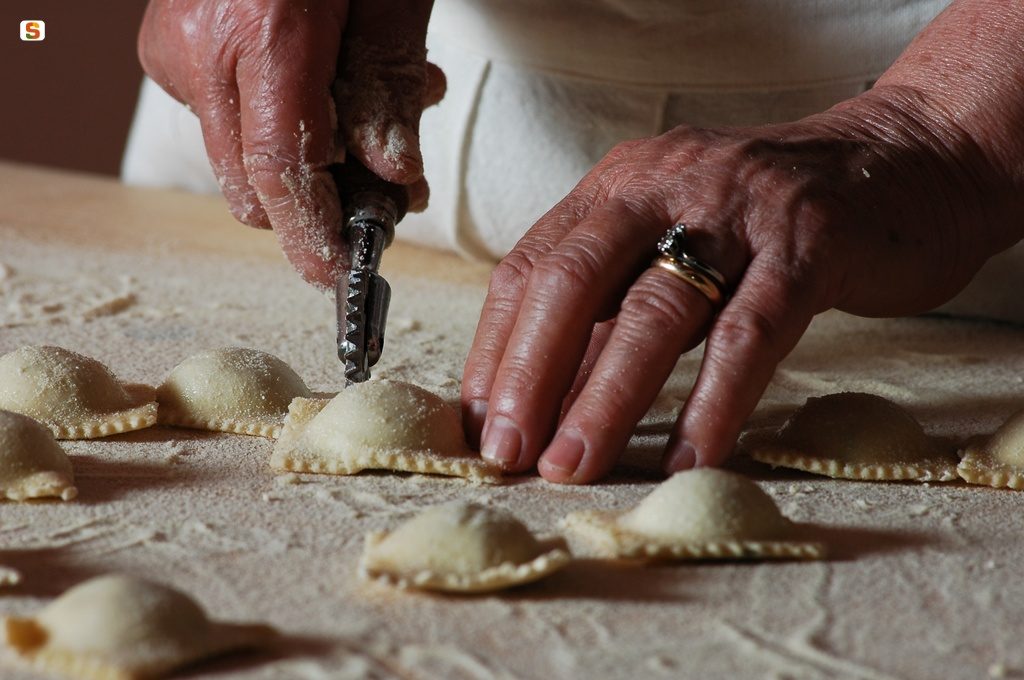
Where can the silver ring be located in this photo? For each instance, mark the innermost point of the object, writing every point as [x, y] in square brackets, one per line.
[674, 258]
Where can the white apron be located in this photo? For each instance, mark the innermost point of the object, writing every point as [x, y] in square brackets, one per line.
[540, 90]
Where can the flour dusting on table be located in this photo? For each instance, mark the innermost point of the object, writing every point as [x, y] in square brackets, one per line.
[906, 593]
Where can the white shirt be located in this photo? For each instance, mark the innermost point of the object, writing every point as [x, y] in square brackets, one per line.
[689, 44]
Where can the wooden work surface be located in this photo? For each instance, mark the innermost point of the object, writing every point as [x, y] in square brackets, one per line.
[72, 209]
[923, 581]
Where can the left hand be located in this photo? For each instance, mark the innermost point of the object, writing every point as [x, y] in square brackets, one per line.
[863, 208]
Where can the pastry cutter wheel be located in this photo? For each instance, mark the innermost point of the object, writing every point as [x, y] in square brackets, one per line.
[372, 209]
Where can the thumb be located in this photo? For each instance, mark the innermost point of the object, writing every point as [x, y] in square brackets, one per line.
[382, 86]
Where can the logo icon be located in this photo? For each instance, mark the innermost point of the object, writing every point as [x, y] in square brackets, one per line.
[33, 30]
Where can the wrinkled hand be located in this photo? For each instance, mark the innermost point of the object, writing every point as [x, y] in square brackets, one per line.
[862, 208]
[285, 88]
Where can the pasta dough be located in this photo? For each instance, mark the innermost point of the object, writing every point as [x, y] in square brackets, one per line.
[122, 628]
[997, 460]
[697, 514]
[32, 464]
[386, 425]
[461, 547]
[75, 396]
[232, 389]
[852, 435]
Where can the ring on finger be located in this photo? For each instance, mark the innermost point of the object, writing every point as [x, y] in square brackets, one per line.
[674, 259]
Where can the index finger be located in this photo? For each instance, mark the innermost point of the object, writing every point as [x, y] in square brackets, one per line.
[287, 127]
[562, 301]
[504, 297]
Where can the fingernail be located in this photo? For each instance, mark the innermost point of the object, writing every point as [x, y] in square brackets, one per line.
[402, 149]
[502, 441]
[565, 453]
[473, 416]
[683, 458]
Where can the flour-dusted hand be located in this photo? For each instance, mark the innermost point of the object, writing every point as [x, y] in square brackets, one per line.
[285, 88]
[887, 204]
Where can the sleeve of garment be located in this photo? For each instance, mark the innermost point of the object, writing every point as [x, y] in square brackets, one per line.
[165, 145]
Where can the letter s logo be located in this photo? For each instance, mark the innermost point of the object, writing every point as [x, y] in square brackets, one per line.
[33, 30]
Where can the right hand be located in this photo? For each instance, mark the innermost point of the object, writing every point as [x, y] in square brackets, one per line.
[877, 207]
[284, 88]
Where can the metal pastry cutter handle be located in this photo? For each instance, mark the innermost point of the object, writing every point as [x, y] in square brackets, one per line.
[363, 295]
[373, 208]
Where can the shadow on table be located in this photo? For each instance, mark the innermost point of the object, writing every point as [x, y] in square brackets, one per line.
[283, 647]
[607, 580]
[100, 480]
[45, 572]
[163, 433]
[850, 543]
[629, 581]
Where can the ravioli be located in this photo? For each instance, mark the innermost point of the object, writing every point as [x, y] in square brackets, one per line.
[383, 425]
[232, 389]
[997, 460]
[32, 464]
[122, 628]
[697, 514]
[461, 547]
[852, 435]
[75, 396]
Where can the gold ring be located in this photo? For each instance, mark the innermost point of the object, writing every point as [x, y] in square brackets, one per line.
[685, 271]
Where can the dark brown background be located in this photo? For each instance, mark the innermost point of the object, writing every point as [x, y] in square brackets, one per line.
[68, 101]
